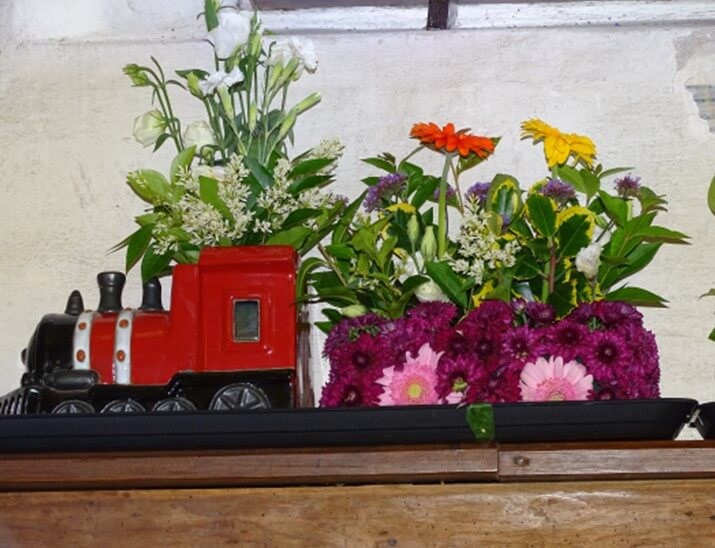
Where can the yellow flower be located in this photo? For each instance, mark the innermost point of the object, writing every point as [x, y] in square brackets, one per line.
[559, 146]
[402, 206]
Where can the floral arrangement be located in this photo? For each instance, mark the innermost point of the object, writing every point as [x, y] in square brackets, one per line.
[528, 301]
[232, 181]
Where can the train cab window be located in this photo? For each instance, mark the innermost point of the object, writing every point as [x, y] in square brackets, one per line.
[246, 320]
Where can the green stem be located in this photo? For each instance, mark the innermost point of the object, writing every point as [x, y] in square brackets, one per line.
[442, 209]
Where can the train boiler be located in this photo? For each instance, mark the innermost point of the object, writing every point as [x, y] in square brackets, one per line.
[230, 340]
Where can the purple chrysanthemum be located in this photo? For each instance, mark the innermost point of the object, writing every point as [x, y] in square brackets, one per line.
[478, 192]
[628, 186]
[490, 316]
[451, 342]
[605, 353]
[352, 390]
[558, 190]
[520, 345]
[365, 354]
[349, 329]
[617, 314]
[456, 374]
[420, 325]
[540, 313]
[582, 313]
[388, 186]
[566, 339]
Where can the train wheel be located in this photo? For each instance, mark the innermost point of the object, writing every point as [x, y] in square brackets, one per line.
[123, 406]
[241, 395]
[72, 407]
[174, 405]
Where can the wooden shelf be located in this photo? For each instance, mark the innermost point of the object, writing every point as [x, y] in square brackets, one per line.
[645, 493]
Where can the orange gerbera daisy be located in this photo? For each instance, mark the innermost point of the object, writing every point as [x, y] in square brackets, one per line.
[449, 140]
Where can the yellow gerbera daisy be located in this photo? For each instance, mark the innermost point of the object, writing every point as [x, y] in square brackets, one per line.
[559, 146]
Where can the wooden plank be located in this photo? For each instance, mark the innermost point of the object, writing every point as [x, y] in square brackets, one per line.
[622, 460]
[313, 466]
[643, 513]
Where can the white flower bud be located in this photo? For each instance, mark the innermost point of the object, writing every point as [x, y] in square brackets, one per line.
[199, 134]
[232, 31]
[588, 260]
[353, 311]
[413, 229]
[429, 244]
[430, 291]
[148, 127]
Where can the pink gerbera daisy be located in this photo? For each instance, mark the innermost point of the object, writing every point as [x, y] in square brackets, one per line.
[414, 383]
[554, 380]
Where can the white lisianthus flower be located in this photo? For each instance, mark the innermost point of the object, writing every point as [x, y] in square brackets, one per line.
[199, 134]
[212, 82]
[430, 291]
[588, 259]
[301, 49]
[232, 31]
[281, 53]
[149, 127]
[304, 50]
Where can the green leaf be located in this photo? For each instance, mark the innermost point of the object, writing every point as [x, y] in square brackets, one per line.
[160, 141]
[480, 418]
[309, 182]
[614, 171]
[137, 244]
[661, 234]
[448, 281]
[150, 185]
[340, 251]
[211, 14]
[573, 235]
[346, 219]
[181, 161]
[542, 215]
[560, 299]
[425, 190]
[572, 176]
[306, 267]
[711, 196]
[591, 183]
[637, 297]
[381, 163]
[208, 192]
[710, 293]
[636, 260]
[309, 166]
[712, 335]
[153, 264]
[292, 236]
[264, 178]
[616, 208]
[299, 216]
[526, 267]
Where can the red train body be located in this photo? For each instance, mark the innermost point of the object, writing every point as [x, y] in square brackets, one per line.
[232, 322]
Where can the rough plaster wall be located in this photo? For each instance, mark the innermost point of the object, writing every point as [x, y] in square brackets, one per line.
[66, 113]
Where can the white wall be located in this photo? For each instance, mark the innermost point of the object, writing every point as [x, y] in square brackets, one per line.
[66, 113]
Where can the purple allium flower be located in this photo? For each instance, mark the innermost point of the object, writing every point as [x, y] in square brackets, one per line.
[341, 198]
[387, 187]
[520, 345]
[352, 390]
[628, 186]
[451, 194]
[617, 314]
[540, 313]
[566, 339]
[456, 374]
[558, 190]
[478, 192]
[349, 329]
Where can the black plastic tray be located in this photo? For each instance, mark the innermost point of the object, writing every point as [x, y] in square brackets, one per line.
[705, 420]
[521, 422]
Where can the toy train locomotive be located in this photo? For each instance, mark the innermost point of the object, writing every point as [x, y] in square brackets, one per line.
[230, 340]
